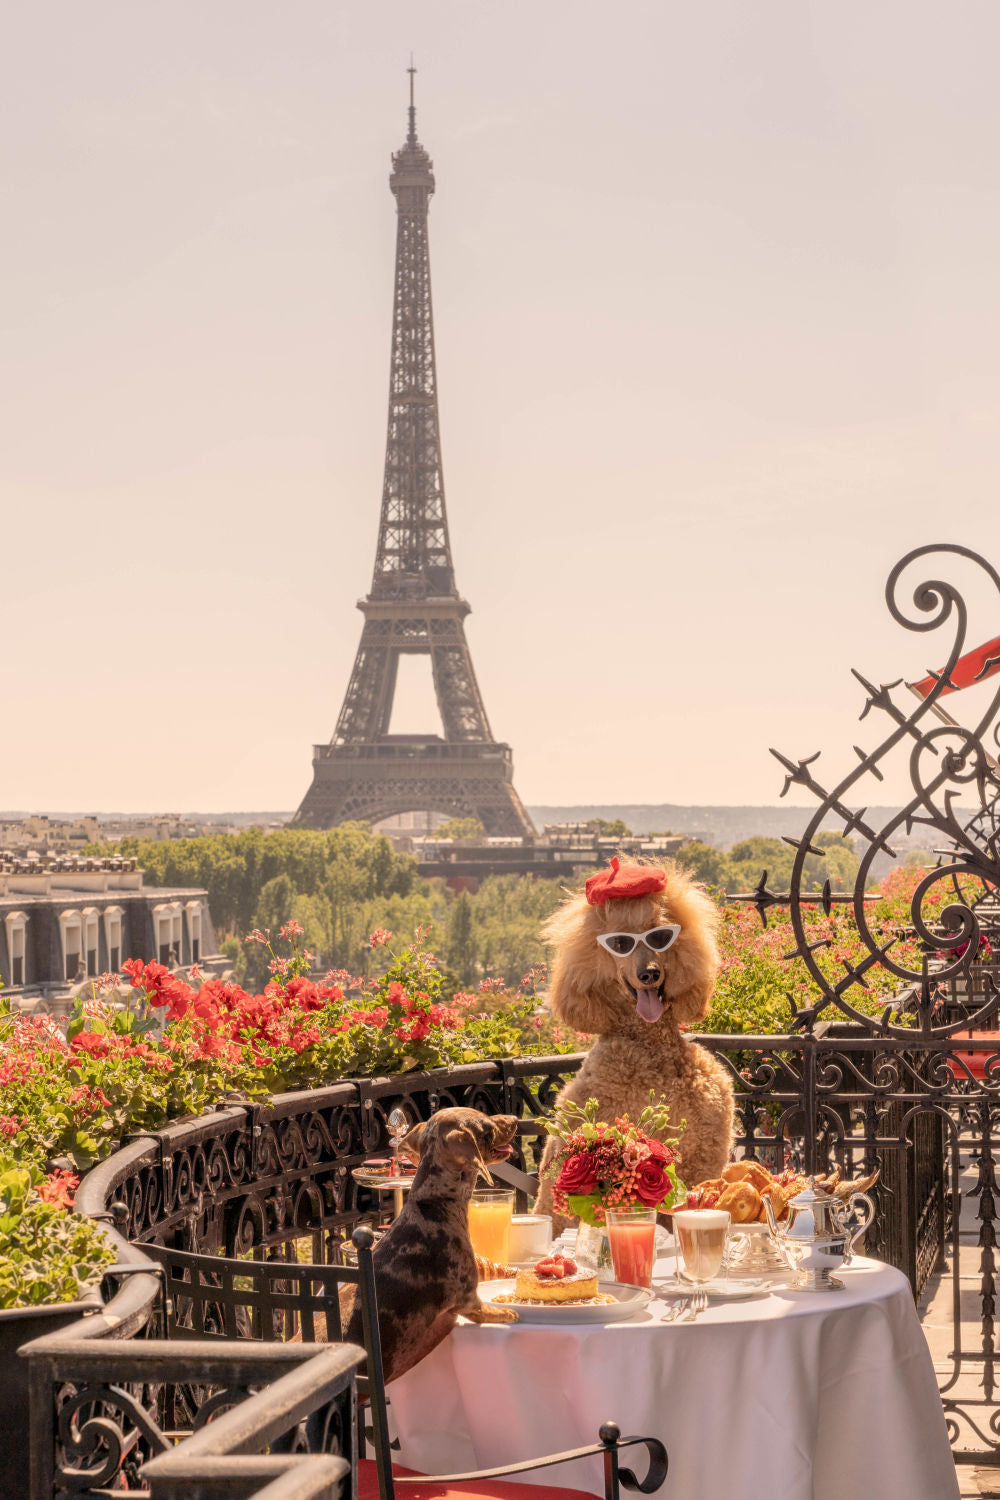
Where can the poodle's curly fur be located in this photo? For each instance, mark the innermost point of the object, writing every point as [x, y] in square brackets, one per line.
[593, 991]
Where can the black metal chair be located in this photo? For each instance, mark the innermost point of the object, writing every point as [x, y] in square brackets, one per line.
[210, 1296]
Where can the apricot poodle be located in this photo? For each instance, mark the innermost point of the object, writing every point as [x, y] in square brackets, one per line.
[654, 972]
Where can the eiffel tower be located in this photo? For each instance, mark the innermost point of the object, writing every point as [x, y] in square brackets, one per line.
[414, 606]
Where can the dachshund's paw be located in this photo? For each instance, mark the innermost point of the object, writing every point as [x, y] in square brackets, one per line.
[482, 1313]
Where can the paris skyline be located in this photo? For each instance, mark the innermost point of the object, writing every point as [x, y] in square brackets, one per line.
[715, 316]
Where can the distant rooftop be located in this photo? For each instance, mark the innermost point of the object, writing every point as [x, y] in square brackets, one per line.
[15, 863]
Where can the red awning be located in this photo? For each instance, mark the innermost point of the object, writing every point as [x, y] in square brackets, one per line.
[975, 666]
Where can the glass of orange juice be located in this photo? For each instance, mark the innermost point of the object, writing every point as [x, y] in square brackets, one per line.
[490, 1213]
[632, 1236]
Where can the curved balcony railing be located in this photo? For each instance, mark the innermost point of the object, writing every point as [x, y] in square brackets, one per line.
[275, 1181]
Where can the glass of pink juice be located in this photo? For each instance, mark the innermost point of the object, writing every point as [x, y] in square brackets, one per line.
[632, 1235]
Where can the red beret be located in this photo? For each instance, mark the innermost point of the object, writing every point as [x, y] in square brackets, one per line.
[620, 882]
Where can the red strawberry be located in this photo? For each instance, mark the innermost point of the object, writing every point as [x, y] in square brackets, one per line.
[556, 1266]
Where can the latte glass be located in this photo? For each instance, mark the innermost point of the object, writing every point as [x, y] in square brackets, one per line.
[701, 1242]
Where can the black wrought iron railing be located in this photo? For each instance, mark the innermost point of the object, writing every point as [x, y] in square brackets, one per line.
[275, 1181]
[914, 1089]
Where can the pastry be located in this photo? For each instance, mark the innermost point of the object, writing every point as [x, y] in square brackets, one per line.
[748, 1171]
[741, 1201]
[555, 1279]
[493, 1270]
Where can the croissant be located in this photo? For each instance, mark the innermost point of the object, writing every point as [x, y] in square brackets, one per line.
[748, 1171]
[779, 1197]
[846, 1189]
[493, 1270]
[742, 1202]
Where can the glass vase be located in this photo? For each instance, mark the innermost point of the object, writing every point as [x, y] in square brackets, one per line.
[593, 1249]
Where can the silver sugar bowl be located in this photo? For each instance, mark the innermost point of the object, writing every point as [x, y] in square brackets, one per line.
[820, 1234]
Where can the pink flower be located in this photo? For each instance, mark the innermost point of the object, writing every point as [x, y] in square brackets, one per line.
[380, 937]
[291, 929]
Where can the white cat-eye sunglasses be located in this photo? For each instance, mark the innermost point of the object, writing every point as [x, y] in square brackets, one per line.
[658, 939]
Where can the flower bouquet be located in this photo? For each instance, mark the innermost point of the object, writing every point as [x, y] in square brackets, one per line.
[618, 1165]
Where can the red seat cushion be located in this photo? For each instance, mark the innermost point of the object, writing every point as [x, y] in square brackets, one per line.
[974, 1061]
[483, 1489]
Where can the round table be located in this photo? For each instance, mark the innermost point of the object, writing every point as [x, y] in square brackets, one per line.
[793, 1396]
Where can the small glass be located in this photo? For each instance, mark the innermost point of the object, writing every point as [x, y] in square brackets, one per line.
[632, 1235]
[701, 1235]
[490, 1213]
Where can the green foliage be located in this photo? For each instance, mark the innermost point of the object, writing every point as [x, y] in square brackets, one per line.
[750, 998]
[458, 828]
[499, 936]
[46, 1254]
[461, 946]
[339, 868]
[611, 828]
[742, 867]
[751, 994]
[705, 863]
[747, 861]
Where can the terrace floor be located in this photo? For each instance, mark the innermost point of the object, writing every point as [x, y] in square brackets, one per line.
[935, 1310]
[978, 1484]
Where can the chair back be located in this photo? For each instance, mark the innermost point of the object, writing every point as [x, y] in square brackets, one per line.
[214, 1296]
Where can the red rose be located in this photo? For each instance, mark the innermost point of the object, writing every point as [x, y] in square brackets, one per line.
[659, 1152]
[652, 1184]
[577, 1175]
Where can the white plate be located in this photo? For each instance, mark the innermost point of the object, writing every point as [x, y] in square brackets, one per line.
[630, 1300]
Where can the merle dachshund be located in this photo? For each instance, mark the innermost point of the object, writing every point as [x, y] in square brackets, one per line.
[425, 1268]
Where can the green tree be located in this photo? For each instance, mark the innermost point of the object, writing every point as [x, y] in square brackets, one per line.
[337, 870]
[704, 862]
[748, 859]
[508, 911]
[458, 828]
[611, 828]
[461, 943]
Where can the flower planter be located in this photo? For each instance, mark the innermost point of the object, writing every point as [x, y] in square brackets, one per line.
[18, 1326]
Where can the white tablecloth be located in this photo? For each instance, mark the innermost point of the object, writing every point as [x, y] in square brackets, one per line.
[793, 1396]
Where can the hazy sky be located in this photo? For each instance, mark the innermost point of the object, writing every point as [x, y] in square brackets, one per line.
[717, 313]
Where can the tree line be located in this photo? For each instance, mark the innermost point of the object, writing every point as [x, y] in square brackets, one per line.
[342, 883]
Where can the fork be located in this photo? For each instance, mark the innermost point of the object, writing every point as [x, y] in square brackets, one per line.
[697, 1305]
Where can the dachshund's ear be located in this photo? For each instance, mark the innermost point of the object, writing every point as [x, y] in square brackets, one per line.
[463, 1149]
[412, 1143]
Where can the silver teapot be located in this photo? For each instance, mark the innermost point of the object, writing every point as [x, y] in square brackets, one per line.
[819, 1236]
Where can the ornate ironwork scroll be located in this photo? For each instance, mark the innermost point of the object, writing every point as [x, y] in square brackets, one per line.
[946, 762]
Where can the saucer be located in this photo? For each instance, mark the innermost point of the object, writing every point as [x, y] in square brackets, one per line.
[726, 1288]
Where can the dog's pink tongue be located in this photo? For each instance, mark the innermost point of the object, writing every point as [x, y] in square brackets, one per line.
[649, 1005]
